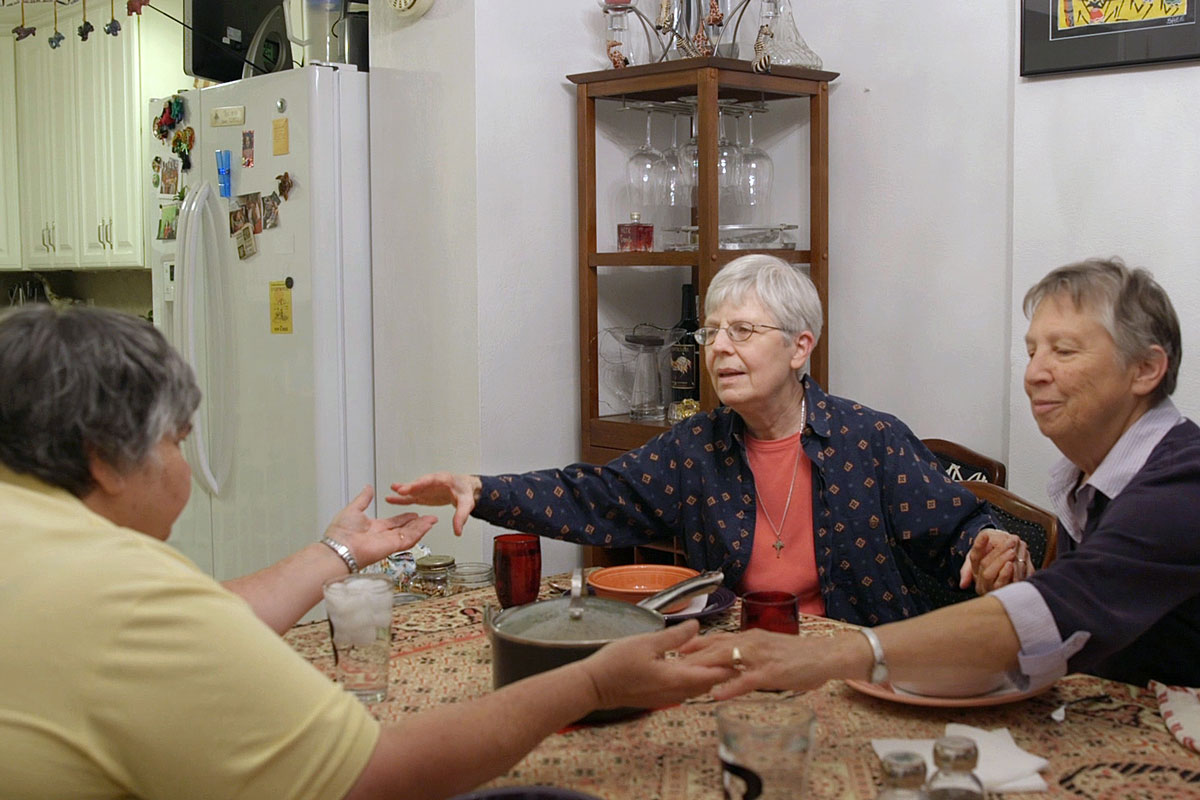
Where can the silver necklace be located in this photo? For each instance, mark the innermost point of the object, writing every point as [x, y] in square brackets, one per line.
[795, 469]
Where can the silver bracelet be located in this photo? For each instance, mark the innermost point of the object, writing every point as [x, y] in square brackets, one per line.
[342, 551]
[879, 671]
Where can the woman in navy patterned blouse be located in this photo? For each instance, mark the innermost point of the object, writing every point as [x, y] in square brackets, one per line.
[783, 487]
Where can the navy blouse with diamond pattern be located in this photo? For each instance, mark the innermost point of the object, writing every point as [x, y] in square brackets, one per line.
[886, 520]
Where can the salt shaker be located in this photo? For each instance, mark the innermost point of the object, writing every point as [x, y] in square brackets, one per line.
[903, 777]
[954, 779]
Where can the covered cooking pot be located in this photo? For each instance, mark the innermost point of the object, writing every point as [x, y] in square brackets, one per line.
[540, 636]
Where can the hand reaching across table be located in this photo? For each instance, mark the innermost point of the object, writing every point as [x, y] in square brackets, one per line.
[440, 489]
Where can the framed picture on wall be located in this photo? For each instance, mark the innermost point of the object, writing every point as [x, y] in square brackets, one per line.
[1069, 35]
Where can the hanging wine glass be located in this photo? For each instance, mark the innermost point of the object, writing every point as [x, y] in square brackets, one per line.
[729, 158]
[689, 154]
[675, 183]
[646, 172]
[758, 171]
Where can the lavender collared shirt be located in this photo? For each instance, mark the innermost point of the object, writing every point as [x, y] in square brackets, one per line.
[1044, 653]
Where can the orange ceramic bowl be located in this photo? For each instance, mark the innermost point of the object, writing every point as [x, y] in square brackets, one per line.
[633, 583]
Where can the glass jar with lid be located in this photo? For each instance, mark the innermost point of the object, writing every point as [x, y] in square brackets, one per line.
[432, 576]
[903, 777]
[470, 575]
[956, 758]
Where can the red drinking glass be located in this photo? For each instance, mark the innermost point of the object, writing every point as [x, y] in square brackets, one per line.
[772, 611]
[517, 560]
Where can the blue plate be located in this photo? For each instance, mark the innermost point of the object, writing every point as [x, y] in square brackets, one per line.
[720, 600]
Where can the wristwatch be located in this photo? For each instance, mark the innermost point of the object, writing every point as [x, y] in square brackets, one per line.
[342, 551]
[879, 672]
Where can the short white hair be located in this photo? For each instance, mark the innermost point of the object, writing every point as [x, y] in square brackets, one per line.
[787, 293]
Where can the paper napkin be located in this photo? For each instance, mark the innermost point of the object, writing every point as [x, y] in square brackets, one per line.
[1180, 709]
[1003, 767]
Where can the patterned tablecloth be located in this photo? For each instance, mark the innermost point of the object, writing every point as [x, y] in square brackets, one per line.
[1112, 745]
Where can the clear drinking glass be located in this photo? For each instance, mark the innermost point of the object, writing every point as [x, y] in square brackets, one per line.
[767, 743]
[675, 183]
[646, 172]
[729, 159]
[360, 623]
[758, 171]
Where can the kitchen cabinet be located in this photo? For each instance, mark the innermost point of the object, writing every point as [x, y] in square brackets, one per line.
[710, 81]
[108, 103]
[78, 141]
[46, 128]
[10, 208]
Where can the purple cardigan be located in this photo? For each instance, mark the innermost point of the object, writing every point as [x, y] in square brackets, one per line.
[1134, 582]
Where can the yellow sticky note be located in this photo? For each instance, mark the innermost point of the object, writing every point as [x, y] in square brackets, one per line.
[281, 307]
[279, 137]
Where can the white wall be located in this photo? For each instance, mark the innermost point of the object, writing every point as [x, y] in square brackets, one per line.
[919, 197]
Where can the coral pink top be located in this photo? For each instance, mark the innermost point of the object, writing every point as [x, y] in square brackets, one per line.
[793, 568]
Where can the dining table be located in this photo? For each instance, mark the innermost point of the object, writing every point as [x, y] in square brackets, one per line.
[1111, 744]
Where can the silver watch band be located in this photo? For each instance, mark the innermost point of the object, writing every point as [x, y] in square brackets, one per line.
[879, 672]
[342, 551]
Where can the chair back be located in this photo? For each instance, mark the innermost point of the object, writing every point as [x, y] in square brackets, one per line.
[964, 464]
[1037, 526]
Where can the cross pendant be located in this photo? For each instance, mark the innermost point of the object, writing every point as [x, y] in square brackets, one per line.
[778, 546]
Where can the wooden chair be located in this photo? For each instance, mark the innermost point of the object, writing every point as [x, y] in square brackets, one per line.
[964, 464]
[1037, 526]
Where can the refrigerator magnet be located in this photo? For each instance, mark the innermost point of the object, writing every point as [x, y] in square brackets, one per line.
[169, 182]
[280, 143]
[247, 148]
[270, 211]
[245, 242]
[281, 306]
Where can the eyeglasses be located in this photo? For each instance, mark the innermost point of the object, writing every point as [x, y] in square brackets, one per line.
[736, 331]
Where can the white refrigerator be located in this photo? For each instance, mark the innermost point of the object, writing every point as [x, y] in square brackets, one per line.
[281, 339]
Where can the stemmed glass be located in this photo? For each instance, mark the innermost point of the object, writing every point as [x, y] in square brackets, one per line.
[729, 159]
[757, 169]
[646, 172]
[675, 182]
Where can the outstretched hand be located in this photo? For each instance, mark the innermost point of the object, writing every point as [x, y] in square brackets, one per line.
[440, 489]
[997, 558]
[762, 660]
[371, 539]
[636, 671]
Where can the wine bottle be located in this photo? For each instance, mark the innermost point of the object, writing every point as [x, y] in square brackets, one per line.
[685, 361]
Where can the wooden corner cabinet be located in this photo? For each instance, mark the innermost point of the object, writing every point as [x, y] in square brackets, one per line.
[712, 82]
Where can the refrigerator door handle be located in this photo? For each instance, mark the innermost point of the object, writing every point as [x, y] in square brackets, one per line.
[199, 273]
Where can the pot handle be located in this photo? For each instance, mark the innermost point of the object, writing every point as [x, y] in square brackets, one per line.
[575, 610]
[701, 584]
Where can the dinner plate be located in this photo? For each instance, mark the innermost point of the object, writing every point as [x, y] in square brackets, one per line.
[1008, 693]
[719, 600]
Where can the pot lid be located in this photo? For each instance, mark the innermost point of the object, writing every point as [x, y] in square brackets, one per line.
[551, 621]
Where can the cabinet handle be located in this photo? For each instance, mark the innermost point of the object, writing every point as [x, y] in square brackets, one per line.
[108, 234]
[99, 234]
[45, 246]
[53, 231]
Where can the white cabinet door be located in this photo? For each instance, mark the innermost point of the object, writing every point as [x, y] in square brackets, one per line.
[124, 129]
[94, 169]
[63, 138]
[33, 129]
[110, 203]
[10, 209]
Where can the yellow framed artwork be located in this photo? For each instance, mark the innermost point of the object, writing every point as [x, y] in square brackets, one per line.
[1069, 35]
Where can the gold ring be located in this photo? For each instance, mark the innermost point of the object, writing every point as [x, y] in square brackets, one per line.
[737, 657]
[1020, 561]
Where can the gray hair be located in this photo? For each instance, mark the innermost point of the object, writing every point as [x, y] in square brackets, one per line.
[784, 290]
[82, 381]
[1130, 305]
